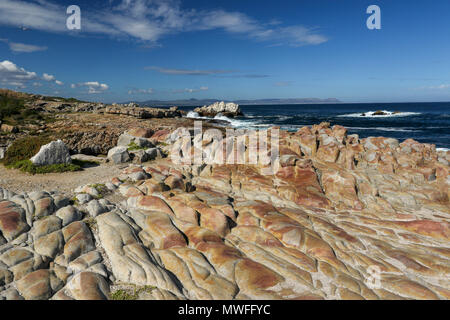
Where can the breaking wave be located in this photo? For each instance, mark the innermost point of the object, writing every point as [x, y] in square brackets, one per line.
[379, 114]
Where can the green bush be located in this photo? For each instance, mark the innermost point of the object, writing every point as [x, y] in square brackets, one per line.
[29, 167]
[9, 106]
[13, 111]
[20, 152]
[24, 149]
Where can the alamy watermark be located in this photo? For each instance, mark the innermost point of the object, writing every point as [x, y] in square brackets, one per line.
[73, 22]
[239, 146]
[373, 281]
[374, 20]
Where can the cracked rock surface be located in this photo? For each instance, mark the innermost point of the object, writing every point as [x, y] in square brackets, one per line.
[342, 218]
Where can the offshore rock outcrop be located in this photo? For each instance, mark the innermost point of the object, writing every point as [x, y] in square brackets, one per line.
[337, 209]
[144, 113]
[227, 109]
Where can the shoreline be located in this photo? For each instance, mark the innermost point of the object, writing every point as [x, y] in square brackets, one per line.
[336, 208]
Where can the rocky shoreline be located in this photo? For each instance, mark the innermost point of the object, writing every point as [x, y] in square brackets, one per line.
[341, 218]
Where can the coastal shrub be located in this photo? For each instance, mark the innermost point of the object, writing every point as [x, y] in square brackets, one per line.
[24, 149]
[122, 294]
[133, 147]
[29, 167]
[13, 111]
[9, 106]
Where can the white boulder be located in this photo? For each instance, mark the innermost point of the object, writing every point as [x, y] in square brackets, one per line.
[227, 109]
[56, 152]
[119, 155]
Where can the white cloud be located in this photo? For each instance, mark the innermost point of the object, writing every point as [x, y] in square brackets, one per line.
[51, 78]
[12, 75]
[188, 72]
[92, 86]
[439, 87]
[48, 77]
[22, 47]
[141, 91]
[151, 20]
[196, 72]
[442, 86]
[187, 90]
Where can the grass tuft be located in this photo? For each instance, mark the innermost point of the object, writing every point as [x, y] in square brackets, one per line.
[123, 294]
[133, 147]
[29, 167]
[24, 149]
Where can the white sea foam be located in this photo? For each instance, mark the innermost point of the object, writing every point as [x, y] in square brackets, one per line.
[442, 149]
[387, 114]
[233, 122]
[194, 115]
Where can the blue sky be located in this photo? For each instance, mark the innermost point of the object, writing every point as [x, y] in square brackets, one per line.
[227, 49]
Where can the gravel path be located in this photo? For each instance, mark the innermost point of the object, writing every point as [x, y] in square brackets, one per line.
[17, 181]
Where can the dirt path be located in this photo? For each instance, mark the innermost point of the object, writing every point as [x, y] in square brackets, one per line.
[17, 181]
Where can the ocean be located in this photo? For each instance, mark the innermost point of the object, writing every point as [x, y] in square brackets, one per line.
[424, 122]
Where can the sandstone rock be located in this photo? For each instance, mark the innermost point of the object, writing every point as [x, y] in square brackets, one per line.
[119, 155]
[142, 113]
[157, 230]
[6, 276]
[149, 203]
[83, 198]
[139, 156]
[49, 245]
[200, 279]
[10, 294]
[68, 215]
[44, 207]
[22, 261]
[55, 152]
[337, 207]
[8, 128]
[95, 208]
[88, 286]
[45, 226]
[141, 132]
[39, 285]
[130, 261]
[78, 240]
[127, 139]
[12, 220]
[85, 261]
